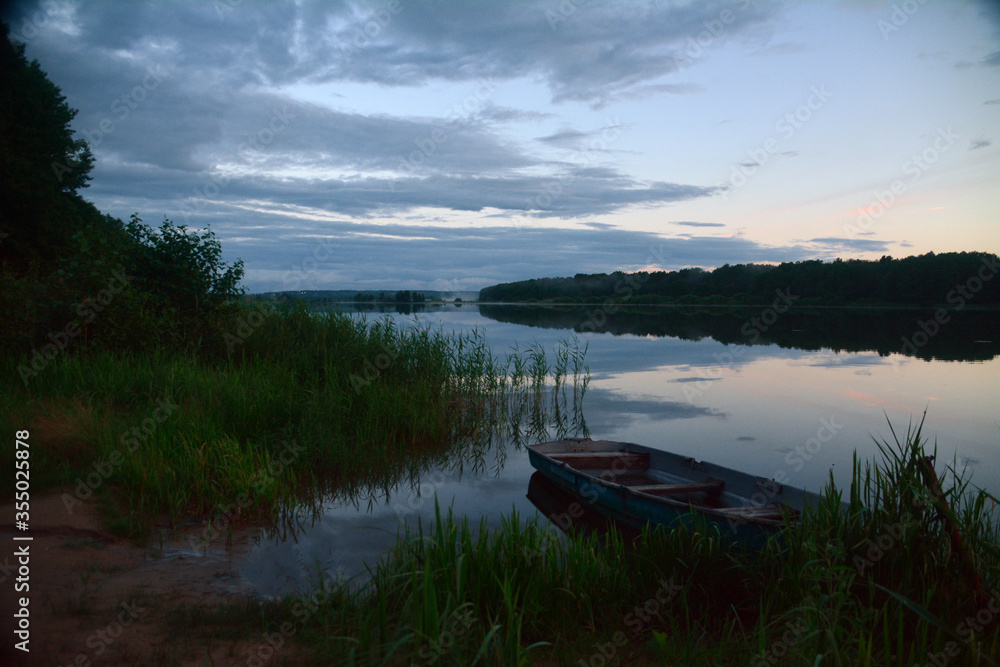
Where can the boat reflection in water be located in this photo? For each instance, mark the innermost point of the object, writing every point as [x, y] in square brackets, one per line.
[569, 513]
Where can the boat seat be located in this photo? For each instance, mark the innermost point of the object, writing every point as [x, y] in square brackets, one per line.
[711, 486]
[603, 460]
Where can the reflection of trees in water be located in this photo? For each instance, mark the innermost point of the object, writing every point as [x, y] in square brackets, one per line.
[389, 307]
[498, 404]
[964, 336]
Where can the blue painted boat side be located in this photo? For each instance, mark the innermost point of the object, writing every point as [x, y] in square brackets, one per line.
[636, 509]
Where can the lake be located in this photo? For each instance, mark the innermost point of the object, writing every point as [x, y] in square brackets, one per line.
[789, 394]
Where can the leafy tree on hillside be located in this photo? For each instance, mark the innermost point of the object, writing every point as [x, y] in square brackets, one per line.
[70, 276]
[41, 165]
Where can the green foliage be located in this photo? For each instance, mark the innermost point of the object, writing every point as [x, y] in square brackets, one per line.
[182, 270]
[41, 165]
[687, 595]
[929, 279]
[284, 407]
[970, 332]
[71, 277]
[124, 287]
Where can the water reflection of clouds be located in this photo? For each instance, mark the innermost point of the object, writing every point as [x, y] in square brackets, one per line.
[694, 378]
[347, 537]
[830, 359]
[607, 410]
[771, 403]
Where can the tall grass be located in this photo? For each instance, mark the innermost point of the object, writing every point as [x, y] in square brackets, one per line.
[280, 413]
[878, 582]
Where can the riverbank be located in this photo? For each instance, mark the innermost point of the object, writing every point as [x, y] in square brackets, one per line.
[878, 584]
[289, 407]
[113, 602]
[308, 405]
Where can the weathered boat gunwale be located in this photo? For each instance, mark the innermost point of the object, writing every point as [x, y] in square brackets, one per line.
[723, 496]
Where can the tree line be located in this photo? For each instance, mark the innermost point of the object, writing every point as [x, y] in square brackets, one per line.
[71, 276]
[971, 334]
[953, 278]
[405, 296]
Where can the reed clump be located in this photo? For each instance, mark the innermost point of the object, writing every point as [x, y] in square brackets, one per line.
[278, 409]
[876, 579]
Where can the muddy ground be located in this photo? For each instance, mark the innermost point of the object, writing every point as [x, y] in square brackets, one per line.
[95, 599]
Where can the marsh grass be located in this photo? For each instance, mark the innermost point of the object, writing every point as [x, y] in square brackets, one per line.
[279, 414]
[874, 581]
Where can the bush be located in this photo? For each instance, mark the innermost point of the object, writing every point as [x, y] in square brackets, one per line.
[123, 287]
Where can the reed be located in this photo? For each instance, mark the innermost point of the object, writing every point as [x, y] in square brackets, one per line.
[463, 593]
[279, 414]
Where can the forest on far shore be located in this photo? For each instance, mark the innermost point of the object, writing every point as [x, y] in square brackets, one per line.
[954, 278]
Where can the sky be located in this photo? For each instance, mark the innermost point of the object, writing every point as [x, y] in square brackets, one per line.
[451, 145]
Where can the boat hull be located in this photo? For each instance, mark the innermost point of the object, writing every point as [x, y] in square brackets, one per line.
[601, 476]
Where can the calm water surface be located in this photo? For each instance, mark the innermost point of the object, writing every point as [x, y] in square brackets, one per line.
[800, 400]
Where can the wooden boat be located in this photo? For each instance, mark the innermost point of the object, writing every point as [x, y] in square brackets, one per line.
[636, 485]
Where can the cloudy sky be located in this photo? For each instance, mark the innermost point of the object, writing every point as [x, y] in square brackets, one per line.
[455, 144]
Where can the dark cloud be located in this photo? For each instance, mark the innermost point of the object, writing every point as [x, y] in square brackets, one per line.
[292, 253]
[700, 224]
[855, 245]
[498, 114]
[590, 54]
[215, 95]
[976, 144]
[568, 137]
[191, 111]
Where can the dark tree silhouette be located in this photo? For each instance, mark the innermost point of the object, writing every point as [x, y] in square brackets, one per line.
[42, 166]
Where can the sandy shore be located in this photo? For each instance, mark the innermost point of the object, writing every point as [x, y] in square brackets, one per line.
[95, 599]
